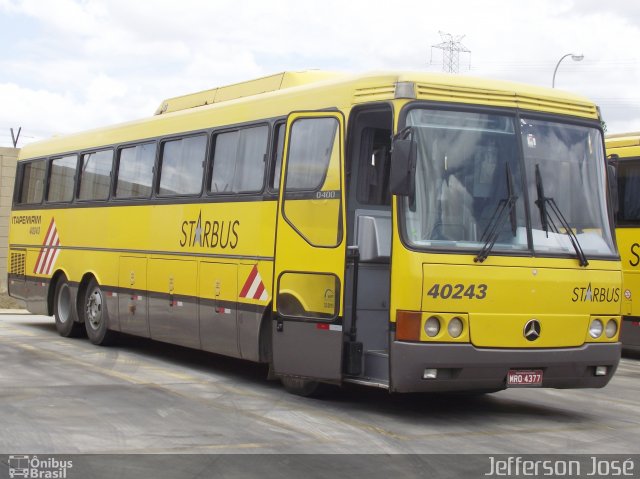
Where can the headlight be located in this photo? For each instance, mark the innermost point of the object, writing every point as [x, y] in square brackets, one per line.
[595, 330]
[455, 327]
[611, 329]
[432, 326]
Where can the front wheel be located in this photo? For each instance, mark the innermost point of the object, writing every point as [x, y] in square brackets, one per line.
[64, 311]
[302, 387]
[95, 315]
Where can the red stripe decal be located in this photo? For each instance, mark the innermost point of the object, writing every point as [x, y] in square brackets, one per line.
[46, 237]
[249, 282]
[50, 256]
[259, 291]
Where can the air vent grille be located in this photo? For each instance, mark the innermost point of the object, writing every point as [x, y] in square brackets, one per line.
[17, 265]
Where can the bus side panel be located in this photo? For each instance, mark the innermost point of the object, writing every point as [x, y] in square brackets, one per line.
[173, 310]
[629, 247]
[218, 308]
[36, 294]
[255, 289]
[630, 332]
[132, 296]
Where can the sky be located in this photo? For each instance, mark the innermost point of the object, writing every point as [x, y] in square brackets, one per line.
[71, 65]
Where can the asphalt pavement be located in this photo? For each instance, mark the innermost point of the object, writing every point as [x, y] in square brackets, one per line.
[66, 396]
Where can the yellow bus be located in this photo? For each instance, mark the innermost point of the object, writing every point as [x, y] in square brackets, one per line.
[624, 150]
[427, 232]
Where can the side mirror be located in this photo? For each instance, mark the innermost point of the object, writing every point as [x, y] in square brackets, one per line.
[612, 180]
[404, 154]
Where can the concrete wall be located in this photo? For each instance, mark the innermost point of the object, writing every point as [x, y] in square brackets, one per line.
[8, 157]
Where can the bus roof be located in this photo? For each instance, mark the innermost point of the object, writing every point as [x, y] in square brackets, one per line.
[621, 140]
[279, 94]
[266, 84]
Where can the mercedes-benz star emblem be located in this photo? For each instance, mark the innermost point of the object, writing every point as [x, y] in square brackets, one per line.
[532, 330]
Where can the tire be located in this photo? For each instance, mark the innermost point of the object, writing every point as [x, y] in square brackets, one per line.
[302, 387]
[64, 311]
[95, 315]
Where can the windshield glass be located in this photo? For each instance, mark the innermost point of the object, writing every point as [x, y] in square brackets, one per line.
[469, 185]
[467, 169]
[572, 175]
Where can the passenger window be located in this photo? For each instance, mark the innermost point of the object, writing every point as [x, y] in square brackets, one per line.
[224, 162]
[238, 161]
[310, 150]
[95, 176]
[135, 171]
[62, 179]
[278, 148]
[32, 187]
[182, 166]
[628, 187]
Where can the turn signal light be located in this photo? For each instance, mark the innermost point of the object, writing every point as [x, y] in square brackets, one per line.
[408, 325]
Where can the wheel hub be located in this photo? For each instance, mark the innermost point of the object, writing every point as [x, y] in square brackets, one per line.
[94, 308]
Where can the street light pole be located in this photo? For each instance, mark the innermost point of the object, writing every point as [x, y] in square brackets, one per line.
[574, 57]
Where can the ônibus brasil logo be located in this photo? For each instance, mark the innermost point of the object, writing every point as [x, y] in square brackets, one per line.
[35, 467]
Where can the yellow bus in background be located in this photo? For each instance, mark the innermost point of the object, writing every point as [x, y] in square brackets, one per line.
[624, 150]
[408, 231]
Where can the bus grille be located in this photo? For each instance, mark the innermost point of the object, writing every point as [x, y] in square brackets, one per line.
[17, 265]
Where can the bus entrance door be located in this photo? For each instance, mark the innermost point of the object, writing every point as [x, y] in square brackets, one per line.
[310, 250]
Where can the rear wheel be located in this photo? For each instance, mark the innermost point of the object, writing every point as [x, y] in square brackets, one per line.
[64, 310]
[95, 315]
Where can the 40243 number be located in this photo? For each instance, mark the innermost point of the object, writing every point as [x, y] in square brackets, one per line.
[458, 291]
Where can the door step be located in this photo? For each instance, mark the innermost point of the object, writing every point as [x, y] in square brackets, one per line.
[376, 383]
[376, 370]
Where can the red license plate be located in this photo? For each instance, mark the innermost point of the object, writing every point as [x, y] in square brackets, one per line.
[517, 377]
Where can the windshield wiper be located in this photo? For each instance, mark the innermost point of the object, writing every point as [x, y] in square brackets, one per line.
[541, 202]
[546, 220]
[504, 208]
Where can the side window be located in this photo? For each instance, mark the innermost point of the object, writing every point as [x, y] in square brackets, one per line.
[310, 150]
[628, 187]
[95, 175]
[313, 193]
[32, 187]
[224, 162]
[238, 160]
[278, 148]
[62, 178]
[182, 164]
[135, 171]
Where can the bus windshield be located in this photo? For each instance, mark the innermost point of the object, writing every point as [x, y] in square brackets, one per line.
[470, 180]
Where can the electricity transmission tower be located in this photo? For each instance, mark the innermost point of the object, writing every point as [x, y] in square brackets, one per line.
[451, 48]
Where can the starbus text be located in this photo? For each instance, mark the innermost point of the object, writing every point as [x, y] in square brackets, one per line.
[211, 234]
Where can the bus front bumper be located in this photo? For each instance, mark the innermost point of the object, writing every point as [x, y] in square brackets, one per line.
[463, 367]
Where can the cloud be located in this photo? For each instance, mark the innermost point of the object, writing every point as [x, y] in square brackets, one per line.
[115, 60]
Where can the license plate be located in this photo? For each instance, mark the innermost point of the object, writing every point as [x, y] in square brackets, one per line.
[517, 377]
